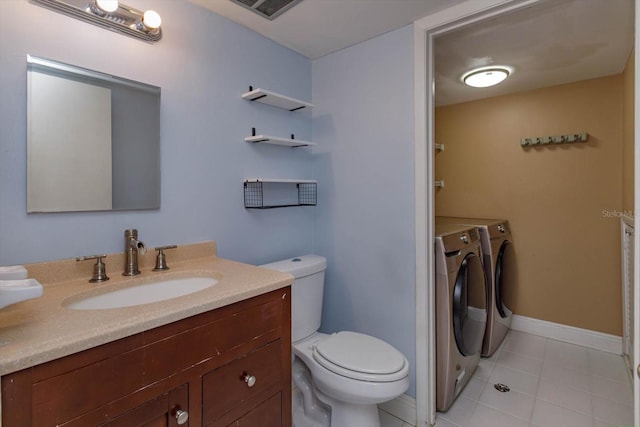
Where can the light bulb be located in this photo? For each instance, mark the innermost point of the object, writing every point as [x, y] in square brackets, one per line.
[151, 20]
[486, 76]
[107, 5]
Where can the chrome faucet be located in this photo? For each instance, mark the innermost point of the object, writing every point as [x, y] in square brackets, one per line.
[132, 247]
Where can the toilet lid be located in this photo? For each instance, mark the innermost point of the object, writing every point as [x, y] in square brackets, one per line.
[361, 357]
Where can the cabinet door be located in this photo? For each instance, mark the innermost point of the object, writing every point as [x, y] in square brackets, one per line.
[167, 410]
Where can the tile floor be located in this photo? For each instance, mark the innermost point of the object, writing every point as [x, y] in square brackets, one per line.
[553, 384]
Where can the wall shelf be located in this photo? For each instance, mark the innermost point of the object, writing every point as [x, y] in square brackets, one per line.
[255, 189]
[276, 140]
[275, 99]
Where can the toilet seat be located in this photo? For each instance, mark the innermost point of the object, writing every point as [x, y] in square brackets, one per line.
[361, 357]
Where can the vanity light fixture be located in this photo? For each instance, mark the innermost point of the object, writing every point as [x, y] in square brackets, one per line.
[486, 76]
[103, 7]
[150, 22]
[112, 15]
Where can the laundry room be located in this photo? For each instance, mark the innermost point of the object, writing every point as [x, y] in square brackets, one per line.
[546, 154]
[563, 201]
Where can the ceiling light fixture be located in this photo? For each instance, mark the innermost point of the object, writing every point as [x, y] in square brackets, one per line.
[486, 76]
[112, 15]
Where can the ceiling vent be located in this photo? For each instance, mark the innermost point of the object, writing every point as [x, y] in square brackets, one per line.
[269, 9]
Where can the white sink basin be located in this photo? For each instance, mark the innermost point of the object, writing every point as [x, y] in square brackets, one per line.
[143, 294]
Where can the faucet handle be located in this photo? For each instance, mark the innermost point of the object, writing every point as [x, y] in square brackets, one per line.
[99, 269]
[161, 259]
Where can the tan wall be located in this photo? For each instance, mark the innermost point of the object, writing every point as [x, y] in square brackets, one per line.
[555, 197]
[627, 134]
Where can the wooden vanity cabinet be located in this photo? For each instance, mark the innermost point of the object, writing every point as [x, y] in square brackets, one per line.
[229, 366]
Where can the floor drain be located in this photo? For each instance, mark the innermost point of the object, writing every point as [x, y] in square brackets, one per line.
[503, 388]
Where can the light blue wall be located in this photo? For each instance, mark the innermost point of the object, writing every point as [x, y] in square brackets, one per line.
[203, 64]
[363, 123]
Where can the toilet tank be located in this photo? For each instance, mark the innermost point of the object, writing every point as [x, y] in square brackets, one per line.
[306, 292]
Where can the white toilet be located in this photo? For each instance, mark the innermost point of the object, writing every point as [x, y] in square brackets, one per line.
[350, 373]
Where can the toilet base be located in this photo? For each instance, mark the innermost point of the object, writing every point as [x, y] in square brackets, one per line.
[350, 415]
[312, 408]
[308, 410]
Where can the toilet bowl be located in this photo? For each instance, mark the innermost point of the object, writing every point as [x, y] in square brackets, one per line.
[364, 383]
[350, 373]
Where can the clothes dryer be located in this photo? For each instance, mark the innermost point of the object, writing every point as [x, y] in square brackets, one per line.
[500, 270]
[460, 309]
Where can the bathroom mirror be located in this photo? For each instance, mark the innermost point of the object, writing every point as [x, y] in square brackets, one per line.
[93, 140]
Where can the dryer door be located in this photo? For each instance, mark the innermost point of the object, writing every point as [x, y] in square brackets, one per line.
[505, 276]
[469, 306]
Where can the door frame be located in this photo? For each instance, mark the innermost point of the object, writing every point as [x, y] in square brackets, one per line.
[636, 221]
[425, 31]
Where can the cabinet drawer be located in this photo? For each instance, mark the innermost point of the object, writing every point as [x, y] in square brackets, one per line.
[225, 390]
[267, 414]
[219, 341]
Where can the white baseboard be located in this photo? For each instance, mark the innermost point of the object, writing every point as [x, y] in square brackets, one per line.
[569, 334]
[403, 407]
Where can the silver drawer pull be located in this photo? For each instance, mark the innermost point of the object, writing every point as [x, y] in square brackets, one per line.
[182, 416]
[249, 379]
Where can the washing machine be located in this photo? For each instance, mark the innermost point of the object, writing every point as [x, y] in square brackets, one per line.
[500, 270]
[461, 313]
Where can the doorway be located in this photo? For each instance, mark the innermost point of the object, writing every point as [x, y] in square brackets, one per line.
[426, 31]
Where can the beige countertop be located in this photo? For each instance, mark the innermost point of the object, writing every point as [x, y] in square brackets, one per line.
[42, 329]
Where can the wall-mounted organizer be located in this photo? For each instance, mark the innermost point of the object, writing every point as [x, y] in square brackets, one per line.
[257, 195]
[558, 139]
[275, 99]
[276, 140]
[278, 193]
